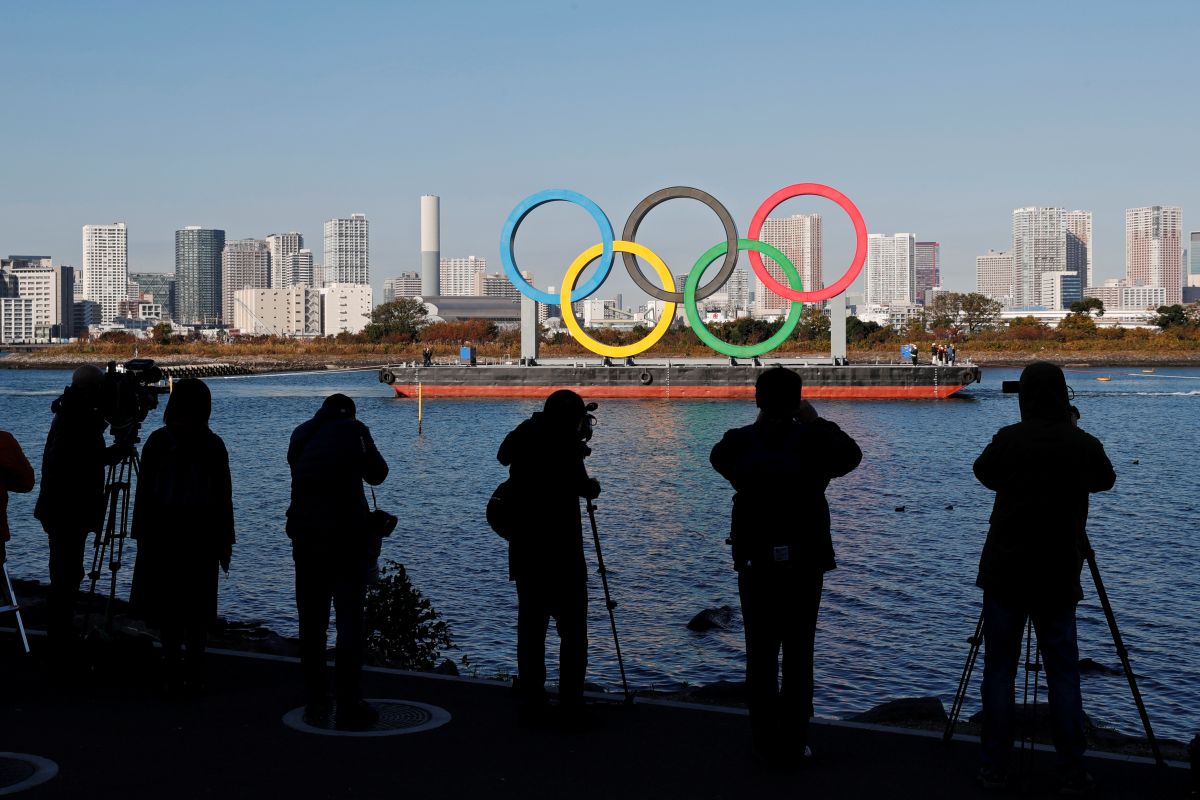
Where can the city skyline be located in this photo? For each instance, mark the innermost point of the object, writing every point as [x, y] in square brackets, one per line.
[953, 176]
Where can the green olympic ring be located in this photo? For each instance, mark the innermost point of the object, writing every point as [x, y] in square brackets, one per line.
[742, 350]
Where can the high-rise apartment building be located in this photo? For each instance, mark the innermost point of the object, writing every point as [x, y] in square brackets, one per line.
[737, 291]
[456, 276]
[1153, 249]
[245, 264]
[105, 267]
[799, 238]
[891, 273]
[1039, 246]
[158, 285]
[1078, 225]
[347, 250]
[51, 290]
[1193, 276]
[994, 276]
[407, 284]
[298, 268]
[198, 275]
[281, 246]
[927, 270]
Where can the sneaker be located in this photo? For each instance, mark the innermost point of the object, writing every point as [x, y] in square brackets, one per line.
[1077, 783]
[356, 716]
[992, 778]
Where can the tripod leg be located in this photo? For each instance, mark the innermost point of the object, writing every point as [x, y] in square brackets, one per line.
[964, 681]
[1090, 554]
[1029, 718]
[608, 601]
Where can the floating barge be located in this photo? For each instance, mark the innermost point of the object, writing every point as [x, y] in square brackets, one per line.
[683, 381]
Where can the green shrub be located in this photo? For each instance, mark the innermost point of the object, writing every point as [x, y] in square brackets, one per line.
[403, 629]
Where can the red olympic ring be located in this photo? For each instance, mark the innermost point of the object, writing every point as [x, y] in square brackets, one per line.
[860, 233]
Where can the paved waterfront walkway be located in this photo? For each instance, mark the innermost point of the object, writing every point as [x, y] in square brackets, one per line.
[120, 738]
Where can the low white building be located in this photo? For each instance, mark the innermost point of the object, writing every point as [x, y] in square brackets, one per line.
[1116, 293]
[1115, 318]
[893, 315]
[346, 308]
[17, 320]
[291, 311]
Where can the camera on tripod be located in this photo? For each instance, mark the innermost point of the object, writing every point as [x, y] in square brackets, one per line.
[129, 392]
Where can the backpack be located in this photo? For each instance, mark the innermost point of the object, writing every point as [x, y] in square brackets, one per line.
[503, 511]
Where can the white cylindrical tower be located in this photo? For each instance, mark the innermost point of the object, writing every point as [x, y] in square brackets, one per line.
[431, 245]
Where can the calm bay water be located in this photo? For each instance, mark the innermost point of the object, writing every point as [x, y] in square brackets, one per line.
[896, 612]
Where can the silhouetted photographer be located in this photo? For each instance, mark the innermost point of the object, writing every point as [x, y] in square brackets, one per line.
[71, 503]
[1042, 469]
[547, 477]
[781, 463]
[334, 548]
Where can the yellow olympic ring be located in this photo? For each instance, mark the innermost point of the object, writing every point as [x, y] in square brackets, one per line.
[572, 277]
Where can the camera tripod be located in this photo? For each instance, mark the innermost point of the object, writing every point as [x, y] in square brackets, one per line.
[609, 603]
[110, 539]
[1034, 665]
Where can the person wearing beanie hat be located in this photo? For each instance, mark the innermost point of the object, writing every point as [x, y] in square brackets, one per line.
[545, 456]
[782, 462]
[330, 456]
[1042, 470]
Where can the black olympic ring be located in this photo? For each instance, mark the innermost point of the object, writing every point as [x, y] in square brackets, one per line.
[731, 237]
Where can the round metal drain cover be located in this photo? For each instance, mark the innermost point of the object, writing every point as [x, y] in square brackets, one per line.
[396, 717]
[19, 772]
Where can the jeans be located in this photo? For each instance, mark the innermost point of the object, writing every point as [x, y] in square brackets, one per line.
[323, 578]
[779, 612]
[563, 597]
[1003, 636]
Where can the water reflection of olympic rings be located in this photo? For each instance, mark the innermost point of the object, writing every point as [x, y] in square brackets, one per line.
[730, 247]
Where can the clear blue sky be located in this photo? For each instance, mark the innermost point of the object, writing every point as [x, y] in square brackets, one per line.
[937, 119]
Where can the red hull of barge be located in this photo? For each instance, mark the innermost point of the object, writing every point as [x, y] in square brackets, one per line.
[678, 381]
[681, 392]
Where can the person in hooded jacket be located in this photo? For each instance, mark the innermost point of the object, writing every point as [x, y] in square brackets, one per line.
[330, 456]
[70, 504]
[1042, 470]
[780, 468]
[183, 525]
[545, 456]
[16, 475]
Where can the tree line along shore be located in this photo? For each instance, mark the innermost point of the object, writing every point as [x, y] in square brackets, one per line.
[399, 332]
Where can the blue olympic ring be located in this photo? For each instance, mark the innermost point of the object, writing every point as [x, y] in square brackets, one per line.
[509, 235]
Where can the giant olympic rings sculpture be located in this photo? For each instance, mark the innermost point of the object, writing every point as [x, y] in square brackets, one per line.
[727, 251]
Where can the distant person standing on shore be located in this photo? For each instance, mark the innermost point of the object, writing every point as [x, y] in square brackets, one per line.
[330, 456]
[183, 524]
[1042, 470]
[545, 456]
[16, 475]
[781, 558]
